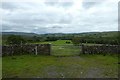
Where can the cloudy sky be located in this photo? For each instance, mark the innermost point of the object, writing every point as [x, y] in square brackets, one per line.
[59, 16]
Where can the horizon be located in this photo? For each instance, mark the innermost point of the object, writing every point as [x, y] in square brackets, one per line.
[59, 16]
[59, 33]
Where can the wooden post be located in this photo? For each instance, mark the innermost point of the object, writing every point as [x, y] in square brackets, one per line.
[36, 50]
[12, 49]
[83, 49]
[21, 50]
[49, 48]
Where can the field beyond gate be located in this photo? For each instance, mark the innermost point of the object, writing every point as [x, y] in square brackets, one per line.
[65, 50]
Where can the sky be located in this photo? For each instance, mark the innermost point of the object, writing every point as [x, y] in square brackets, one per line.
[59, 16]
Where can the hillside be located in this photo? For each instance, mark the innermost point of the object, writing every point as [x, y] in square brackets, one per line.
[93, 34]
[19, 33]
[87, 34]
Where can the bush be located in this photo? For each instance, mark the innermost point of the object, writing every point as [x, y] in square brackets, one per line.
[13, 39]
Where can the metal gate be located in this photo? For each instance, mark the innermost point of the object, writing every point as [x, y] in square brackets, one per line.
[65, 50]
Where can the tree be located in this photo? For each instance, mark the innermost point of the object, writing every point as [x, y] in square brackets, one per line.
[36, 39]
[76, 40]
[51, 38]
[13, 39]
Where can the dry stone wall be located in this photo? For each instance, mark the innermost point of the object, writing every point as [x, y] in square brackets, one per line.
[36, 49]
[106, 49]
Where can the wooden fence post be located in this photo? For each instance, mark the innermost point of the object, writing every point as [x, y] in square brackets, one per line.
[21, 49]
[36, 50]
[12, 50]
[49, 48]
[83, 51]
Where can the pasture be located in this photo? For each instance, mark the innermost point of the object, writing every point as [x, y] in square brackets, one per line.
[58, 42]
[62, 42]
[65, 62]
[0, 67]
[84, 66]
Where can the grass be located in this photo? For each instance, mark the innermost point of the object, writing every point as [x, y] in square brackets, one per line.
[0, 67]
[58, 42]
[65, 50]
[83, 66]
[59, 65]
[61, 48]
[62, 42]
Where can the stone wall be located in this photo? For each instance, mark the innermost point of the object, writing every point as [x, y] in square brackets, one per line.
[105, 49]
[36, 49]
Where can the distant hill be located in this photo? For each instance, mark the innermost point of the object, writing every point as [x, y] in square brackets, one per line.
[19, 33]
[102, 34]
[90, 34]
[93, 34]
[64, 36]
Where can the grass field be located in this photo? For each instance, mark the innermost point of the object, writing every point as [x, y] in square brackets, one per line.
[0, 59]
[0, 67]
[65, 62]
[65, 50]
[58, 42]
[62, 42]
[83, 66]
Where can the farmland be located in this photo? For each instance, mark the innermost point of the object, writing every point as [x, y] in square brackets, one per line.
[58, 42]
[65, 62]
[84, 66]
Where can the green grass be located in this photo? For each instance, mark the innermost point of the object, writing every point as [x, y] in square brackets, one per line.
[0, 67]
[65, 50]
[58, 42]
[59, 65]
[61, 48]
[62, 42]
[83, 66]
[92, 44]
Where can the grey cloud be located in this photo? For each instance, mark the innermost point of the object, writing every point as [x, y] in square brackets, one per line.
[39, 18]
[9, 5]
[88, 5]
[6, 27]
[51, 3]
[56, 26]
[40, 30]
[49, 18]
[15, 5]
[59, 4]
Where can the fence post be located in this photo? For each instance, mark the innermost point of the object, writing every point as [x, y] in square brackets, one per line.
[12, 50]
[83, 51]
[21, 49]
[36, 50]
[49, 48]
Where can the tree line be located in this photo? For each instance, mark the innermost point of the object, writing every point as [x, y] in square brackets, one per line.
[101, 40]
[16, 39]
